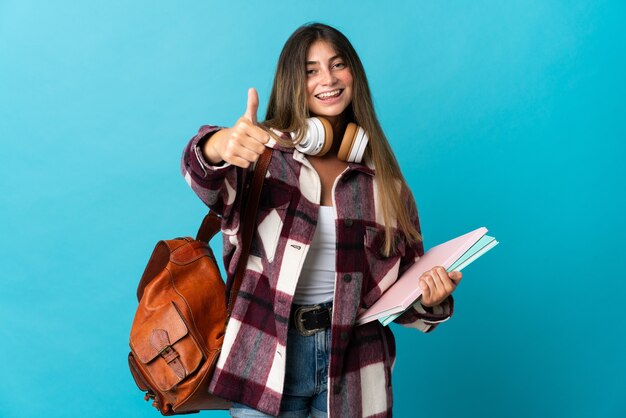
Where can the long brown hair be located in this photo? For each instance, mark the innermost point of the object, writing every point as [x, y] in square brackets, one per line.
[287, 111]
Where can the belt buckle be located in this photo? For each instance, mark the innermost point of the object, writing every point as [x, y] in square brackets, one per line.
[299, 321]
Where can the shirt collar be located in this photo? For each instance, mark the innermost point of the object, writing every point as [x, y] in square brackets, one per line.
[275, 145]
[367, 167]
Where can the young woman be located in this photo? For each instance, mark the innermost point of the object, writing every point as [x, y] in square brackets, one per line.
[331, 237]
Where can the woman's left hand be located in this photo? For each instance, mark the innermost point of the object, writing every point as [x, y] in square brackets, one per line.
[437, 284]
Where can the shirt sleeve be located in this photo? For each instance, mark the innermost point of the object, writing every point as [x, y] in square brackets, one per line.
[215, 185]
[418, 316]
[426, 319]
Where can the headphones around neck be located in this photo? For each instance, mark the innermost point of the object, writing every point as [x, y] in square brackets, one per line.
[319, 139]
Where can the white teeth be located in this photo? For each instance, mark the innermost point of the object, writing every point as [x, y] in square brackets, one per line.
[328, 94]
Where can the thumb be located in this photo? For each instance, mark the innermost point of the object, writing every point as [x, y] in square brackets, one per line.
[253, 105]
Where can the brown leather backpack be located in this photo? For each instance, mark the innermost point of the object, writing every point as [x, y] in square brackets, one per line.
[179, 326]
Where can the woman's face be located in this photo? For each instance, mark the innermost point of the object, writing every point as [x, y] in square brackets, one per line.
[329, 81]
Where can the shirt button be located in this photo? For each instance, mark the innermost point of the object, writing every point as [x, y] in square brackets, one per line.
[337, 389]
[348, 222]
[347, 278]
[345, 335]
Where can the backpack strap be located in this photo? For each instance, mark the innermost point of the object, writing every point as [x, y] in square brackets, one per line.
[211, 224]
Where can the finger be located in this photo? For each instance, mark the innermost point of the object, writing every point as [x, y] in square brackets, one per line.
[237, 161]
[446, 286]
[432, 287]
[236, 149]
[248, 136]
[425, 291]
[252, 106]
[246, 154]
[456, 277]
[437, 273]
[258, 134]
[244, 127]
[253, 144]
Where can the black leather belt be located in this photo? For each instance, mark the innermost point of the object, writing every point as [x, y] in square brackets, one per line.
[309, 319]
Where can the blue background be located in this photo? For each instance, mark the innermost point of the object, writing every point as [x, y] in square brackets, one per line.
[503, 114]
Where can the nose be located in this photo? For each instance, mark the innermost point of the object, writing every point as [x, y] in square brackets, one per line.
[328, 78]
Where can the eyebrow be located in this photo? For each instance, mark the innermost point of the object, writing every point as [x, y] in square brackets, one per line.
[334, 57]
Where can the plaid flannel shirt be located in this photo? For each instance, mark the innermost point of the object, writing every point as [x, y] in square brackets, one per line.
[251, 366]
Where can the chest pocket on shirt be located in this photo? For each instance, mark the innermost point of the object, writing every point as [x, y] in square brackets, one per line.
[380, 270]
[273, 204]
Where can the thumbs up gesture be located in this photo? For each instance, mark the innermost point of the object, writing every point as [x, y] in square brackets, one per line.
[252, 106]
[242, 144]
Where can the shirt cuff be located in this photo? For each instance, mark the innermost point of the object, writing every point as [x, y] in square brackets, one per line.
[197, 144]
[427, 318]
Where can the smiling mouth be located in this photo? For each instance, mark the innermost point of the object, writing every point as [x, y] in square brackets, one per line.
[329, 94]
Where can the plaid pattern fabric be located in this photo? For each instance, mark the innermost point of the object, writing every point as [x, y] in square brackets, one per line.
[251, 367]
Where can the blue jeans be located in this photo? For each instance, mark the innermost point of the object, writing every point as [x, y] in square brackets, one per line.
[306, 377]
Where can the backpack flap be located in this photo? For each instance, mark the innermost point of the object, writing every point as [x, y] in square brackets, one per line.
[164, 347]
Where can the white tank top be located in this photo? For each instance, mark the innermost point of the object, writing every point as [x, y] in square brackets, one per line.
[316, 283]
